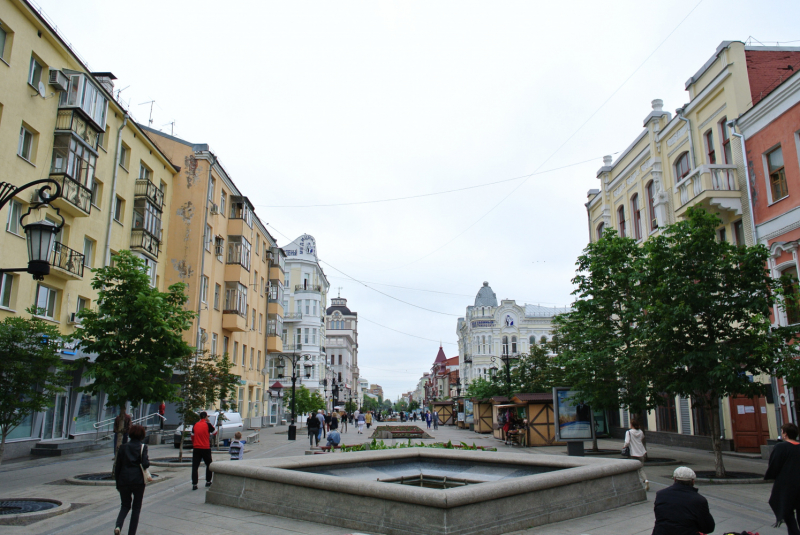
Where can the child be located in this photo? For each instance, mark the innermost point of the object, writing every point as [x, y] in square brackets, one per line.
[237, 447]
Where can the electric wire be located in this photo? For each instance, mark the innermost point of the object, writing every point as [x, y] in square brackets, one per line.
[360, 317]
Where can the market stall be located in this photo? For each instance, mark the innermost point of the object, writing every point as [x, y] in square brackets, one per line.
[499, 413]
[541, 421]
[482, 409]
[445, 410]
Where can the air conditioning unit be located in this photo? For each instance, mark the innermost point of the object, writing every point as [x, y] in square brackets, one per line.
[214, 208]
[58, 79]
[74, 319]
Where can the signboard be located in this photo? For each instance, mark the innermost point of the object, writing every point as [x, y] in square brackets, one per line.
[460, 416]
[573, 418]
[470, 417]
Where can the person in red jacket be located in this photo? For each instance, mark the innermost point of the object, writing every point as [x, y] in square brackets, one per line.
[201, 444]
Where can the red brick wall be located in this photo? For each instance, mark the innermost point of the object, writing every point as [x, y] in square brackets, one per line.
[766, 69]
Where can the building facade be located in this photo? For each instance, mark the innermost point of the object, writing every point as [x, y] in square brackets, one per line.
[341, 346]
[233, 268]
[691, 158]
[490, 330]
[771, 130]
[305, 300]
[59, 120]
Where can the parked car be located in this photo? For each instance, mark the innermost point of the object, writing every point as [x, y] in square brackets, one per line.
[231, 423]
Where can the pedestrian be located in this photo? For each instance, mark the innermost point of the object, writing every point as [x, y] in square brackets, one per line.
[680, 509]
[361, 421]
[428, 419]
[313, 429]
[321, 418]
[334, 425]
[334, 438]
[122, 424]
[436, 419]
[635, 441]
[344, 421]
[236, 448]
[368, 419]
[132, 459]
[201, 448]
[161, 410]
[327, 422]
[784, 468]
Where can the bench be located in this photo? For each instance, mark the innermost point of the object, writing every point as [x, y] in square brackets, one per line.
[253, 437]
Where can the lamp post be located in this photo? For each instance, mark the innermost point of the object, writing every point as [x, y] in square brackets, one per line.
[506, 358]
[39, 234]
[294, 358]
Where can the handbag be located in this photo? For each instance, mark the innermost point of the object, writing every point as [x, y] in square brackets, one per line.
[148, 478]
[626, 451]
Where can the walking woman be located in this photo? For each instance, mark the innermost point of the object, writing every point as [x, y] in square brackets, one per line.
[131, 458]
[784, 468]
[362, 420]
[313, 429]
[634, 439]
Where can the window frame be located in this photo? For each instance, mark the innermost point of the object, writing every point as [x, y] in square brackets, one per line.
[31, 72]
[650, 193]
[6, 290]
[14, 211]
[119, 210]
[708, 139]
[676, 167]
[780, 171]
[26, 135]
[725, 141]
[204, 289]
[621, 221]
[3, 41]
[217, 293]
[636, 217]
[87, 258]
[52, 301]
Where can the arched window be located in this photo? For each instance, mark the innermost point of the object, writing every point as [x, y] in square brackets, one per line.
[791, 288]
[636, 216]
[543, 339]
[490, 344]
[682, 167]
[600, 229]
[621, 220]
[532, 341]
[505, 345]
[513, 345]
[483, 342]
[650, 190]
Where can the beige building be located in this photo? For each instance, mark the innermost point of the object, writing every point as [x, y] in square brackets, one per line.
[682, 160]
[232, 265]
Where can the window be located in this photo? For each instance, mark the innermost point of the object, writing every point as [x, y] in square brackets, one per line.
[264, 247]
[682, 167]
[712, 155]
[73, 158]
[252, 357]
[637, 217]
[88, 249]
[225, 342]
[790, 289]
[244, 355]
[666, 415]
[532, 341]
[258, 364]
[260, 322]
[147, 216]
[201, 339]
[204, 289]
[262, 286]
[235, 353]
[308, 302]
[95, 194]
[258, 244]
[333, 360]
[600, 229]
[777, 175]
[505, 345]
[314, 335]
[82, 303]
[124, 156]
[253, 321]
[222, 198]
[340, 360]
[235, 299]
[207, 238]
[213, 343]
[118, 209]
[6, 284]
[621, 220]
[650, 189]
[46, 301]
[144, 172]
[305, 337]
[149, 268]
[14, 210]
[299, 336]
[722, 236]
[726, 141]
[35, 73]
[212, 184]
[738, 233]
[25, 149]
[217, 291]
[513, 345]
[239, 251]
[3, 39]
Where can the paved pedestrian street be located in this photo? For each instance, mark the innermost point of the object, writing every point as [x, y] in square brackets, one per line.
[171, 507]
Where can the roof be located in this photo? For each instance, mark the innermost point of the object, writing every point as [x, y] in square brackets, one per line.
[722, 46]
[521, 398]
[485, 297]
[538, 310]
[440, 356]
[452, 361]
[342, 310]
[498, 399]
[276, 386]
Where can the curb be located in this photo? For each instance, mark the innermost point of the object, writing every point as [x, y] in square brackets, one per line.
[107, 483]
[29, 518]
[751, 481]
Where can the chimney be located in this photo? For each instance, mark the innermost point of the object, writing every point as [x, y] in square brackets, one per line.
[106, 79]
[607, 160]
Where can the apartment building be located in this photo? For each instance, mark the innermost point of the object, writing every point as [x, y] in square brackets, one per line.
[234, 270]
[341, 345]
[691, 158]
[59, 120]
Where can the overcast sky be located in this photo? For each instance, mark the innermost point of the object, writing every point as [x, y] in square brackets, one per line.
[313, 103]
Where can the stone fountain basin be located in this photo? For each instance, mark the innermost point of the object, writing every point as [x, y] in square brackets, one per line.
[515, 492]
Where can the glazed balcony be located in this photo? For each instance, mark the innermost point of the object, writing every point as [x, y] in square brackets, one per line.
[316, 288]
[147, 190]
[714, 186]
[69, 120]
[142, 240]
[75, 199]
[68, 262]
[292, 316]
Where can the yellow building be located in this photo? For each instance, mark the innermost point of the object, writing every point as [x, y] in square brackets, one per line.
[59, 120]
[693, 157]
[232, 265]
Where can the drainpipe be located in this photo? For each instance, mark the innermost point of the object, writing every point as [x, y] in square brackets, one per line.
[211, 161]
[107, 255]
[732, 125]
[679, 111]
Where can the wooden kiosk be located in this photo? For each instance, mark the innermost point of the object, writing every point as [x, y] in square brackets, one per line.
[460, 408]
[499, 404]
[482, 409]
[541, 421]
[445, 410]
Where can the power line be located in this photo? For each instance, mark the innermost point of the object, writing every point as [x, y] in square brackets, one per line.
[428, 194]
[617, 90]
[405, 333]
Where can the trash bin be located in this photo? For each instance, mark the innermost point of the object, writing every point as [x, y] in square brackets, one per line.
[226, 443]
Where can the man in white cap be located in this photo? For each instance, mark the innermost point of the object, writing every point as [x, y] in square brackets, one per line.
[680, 510]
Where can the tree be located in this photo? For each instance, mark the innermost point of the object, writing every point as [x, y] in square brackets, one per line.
[369, 404]
[31, 371]
[414, 405]
[306, 401]
[482, 388]
[706, 326]
[136, 331]
[350, 406]
[537, 371]
[400, 406]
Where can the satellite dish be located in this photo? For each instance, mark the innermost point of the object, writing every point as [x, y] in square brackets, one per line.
[41, 89]
[203, 338]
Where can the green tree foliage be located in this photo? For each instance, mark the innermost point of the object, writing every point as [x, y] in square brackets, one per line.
[350, 406]
[369, 404]
[400, 406]
[31, 371]
[136, 331]
[306, 401]
[414, 405]
[537, 372]
[482, 388]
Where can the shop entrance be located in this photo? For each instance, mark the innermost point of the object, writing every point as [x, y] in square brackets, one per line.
[55, 418]
[749, 423]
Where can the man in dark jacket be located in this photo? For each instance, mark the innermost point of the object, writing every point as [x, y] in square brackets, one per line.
[131, 458]
[201, 448]
[784, 468]
[680, 510]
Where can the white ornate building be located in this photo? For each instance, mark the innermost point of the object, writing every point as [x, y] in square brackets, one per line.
[491, 330]
[342, 346]
[304, 302]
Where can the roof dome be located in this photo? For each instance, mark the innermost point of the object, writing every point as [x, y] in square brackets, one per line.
[485, 297]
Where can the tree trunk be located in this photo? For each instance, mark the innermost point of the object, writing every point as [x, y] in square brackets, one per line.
[3, 443]
[182, 436]
[594, 435]
[712, 410]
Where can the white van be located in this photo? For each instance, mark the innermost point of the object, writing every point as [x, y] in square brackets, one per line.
[231, 423]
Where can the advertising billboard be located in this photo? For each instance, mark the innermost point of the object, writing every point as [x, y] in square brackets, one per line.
[573, 417]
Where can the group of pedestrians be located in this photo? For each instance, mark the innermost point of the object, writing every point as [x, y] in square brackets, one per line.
[431, 418]
[324, 424]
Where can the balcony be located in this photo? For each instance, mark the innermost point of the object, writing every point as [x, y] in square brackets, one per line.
[142, 240]
[714, 186]
[275, 308]
[146, 189]
[75, 199]
[293, 316]
[307, 288]
[467, 359]
[71, 121]
[274, 344]
[289, 348]
[68, 262]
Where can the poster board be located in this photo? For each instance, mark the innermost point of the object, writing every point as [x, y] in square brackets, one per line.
[573, 419]
[470, 417]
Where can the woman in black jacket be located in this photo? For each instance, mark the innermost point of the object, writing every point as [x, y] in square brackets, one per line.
[131, 458]
[313, 424]
[784, 468]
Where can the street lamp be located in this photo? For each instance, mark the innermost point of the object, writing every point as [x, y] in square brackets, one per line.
[294, 358]
[506, 358]
[39, 234]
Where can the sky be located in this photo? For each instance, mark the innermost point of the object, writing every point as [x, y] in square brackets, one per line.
[313, 105]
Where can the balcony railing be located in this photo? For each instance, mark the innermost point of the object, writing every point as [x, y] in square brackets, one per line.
[76, 194]
[293, 316]
[467, 359]
[141, 239]
[145, 188]
[288, 348]
[307, 288]
[707, 178]
[67, 259]
[69, 120]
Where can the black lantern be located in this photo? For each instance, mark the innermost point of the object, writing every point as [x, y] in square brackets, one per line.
[308, 368]
[279, 367]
